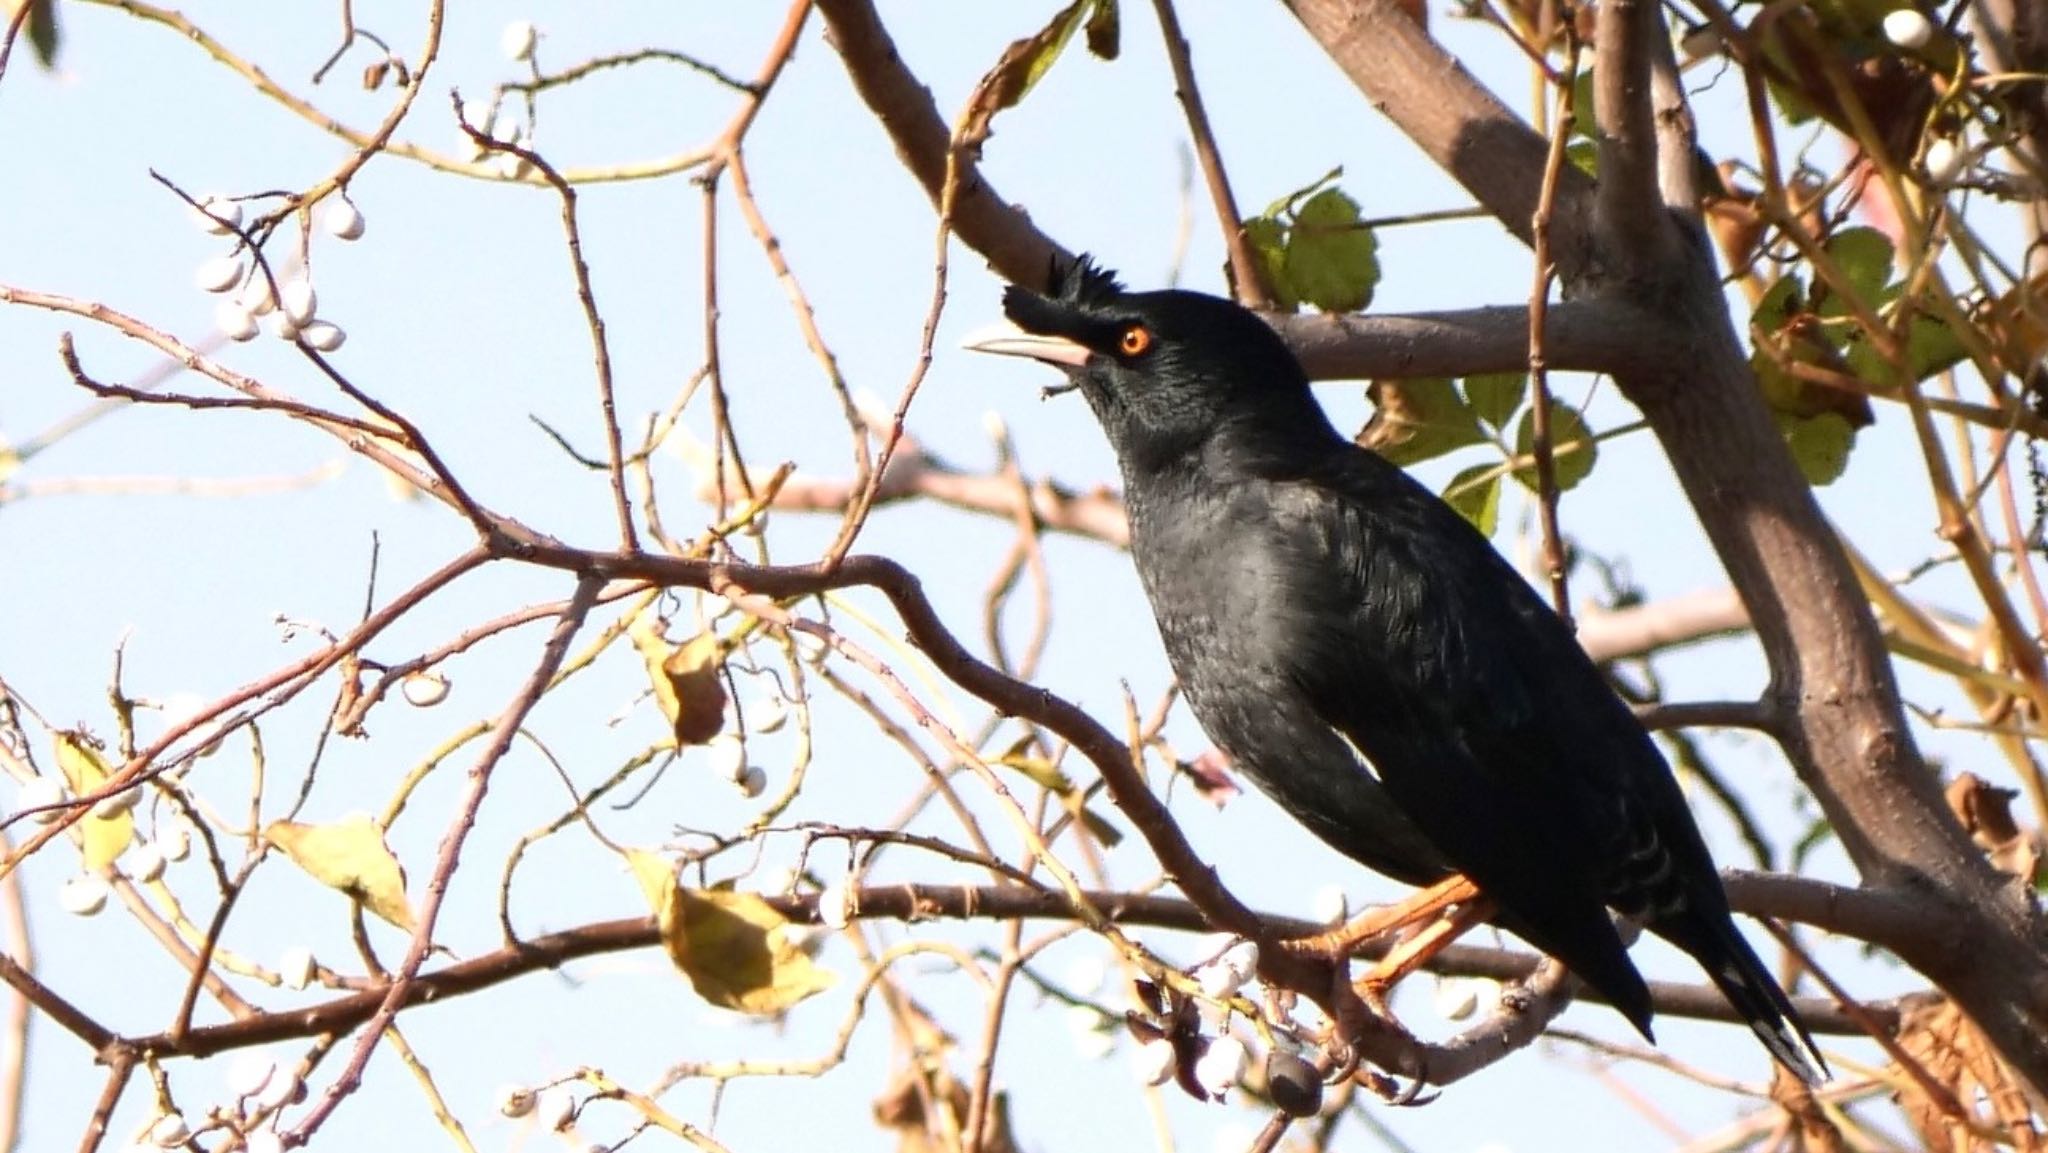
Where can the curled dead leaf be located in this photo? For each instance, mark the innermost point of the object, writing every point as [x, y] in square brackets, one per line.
[688, 680]
[731, 945]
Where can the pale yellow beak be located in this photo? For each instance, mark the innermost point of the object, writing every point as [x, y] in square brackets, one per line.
[1007, 339]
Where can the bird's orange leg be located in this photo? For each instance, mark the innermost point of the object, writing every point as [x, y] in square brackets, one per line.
[1415, 952]
[1421, 906]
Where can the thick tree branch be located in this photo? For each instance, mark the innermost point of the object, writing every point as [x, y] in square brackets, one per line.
[981, 218]
[1632, 233]
[914, 902]
[1454, 119]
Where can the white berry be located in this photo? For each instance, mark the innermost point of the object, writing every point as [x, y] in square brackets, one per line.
[84, 895]
[116, 804]
[218, 215]
[1154, 1061]
[262, 1141]
[284, 328]
[518, 40]
[1220, 1065]
[1944, 160]
[234, 320]
[176, 840]
[753, 782]
[1242, 958]
[1330, 907]
[727, 756]
[1218, 980]
[344, 219]
[324, 335]
[37, 793]
[256, 298]
[298, 301]
[425, 688]
[554, 1107]
[146, 862]
[835, 904]
[217, 275]
[515, 1100]
[296, 967]
[170, 1131]
[1908, 28]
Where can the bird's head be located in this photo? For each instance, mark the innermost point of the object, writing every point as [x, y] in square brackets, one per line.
[1164, 371]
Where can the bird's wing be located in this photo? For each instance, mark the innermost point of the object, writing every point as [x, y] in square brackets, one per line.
[1484, 720]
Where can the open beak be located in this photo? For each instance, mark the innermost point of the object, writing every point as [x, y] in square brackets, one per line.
[1007, 339]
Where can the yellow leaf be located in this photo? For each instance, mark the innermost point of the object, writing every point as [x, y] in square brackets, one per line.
[349, 855]
[732, 946]
[1040, 771]
[687, 679]
[87, 773]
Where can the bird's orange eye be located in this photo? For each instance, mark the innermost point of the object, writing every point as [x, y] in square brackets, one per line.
[1135, 340]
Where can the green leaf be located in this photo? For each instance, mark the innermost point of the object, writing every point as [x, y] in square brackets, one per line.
[1332, 262]
[1418, 420]
[1572, 447]
[1782, 301]
[1820, 445]
[1582, 155]
[1932, 346]
[1476, 496]
[1285, 206]
[1268, 239]
[1584, 126]
[1494, 397]
[1865, 257]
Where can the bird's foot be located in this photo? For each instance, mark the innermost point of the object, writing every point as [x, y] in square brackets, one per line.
[1340, 943]
[1415, 951]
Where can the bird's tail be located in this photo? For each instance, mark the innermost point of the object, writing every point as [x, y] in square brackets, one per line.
[1742, 977]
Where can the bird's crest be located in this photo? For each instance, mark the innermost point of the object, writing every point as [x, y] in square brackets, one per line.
[1082, 282]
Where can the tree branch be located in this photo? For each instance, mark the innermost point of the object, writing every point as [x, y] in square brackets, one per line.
[916, 902]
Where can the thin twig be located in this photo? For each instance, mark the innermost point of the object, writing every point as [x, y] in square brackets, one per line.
[1247, 278]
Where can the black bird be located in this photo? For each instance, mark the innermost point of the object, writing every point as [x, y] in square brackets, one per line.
[1371, 662]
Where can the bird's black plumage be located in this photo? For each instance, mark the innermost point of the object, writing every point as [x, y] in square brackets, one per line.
[1370, 661]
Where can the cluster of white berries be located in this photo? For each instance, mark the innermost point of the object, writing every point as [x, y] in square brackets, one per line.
[246, 291]
[85, 894]
[728, 756]
[1232, 963]
[1220, 1067]
[260, 1087]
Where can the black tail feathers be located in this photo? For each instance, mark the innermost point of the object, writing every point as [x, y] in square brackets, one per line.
[1742, 977]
